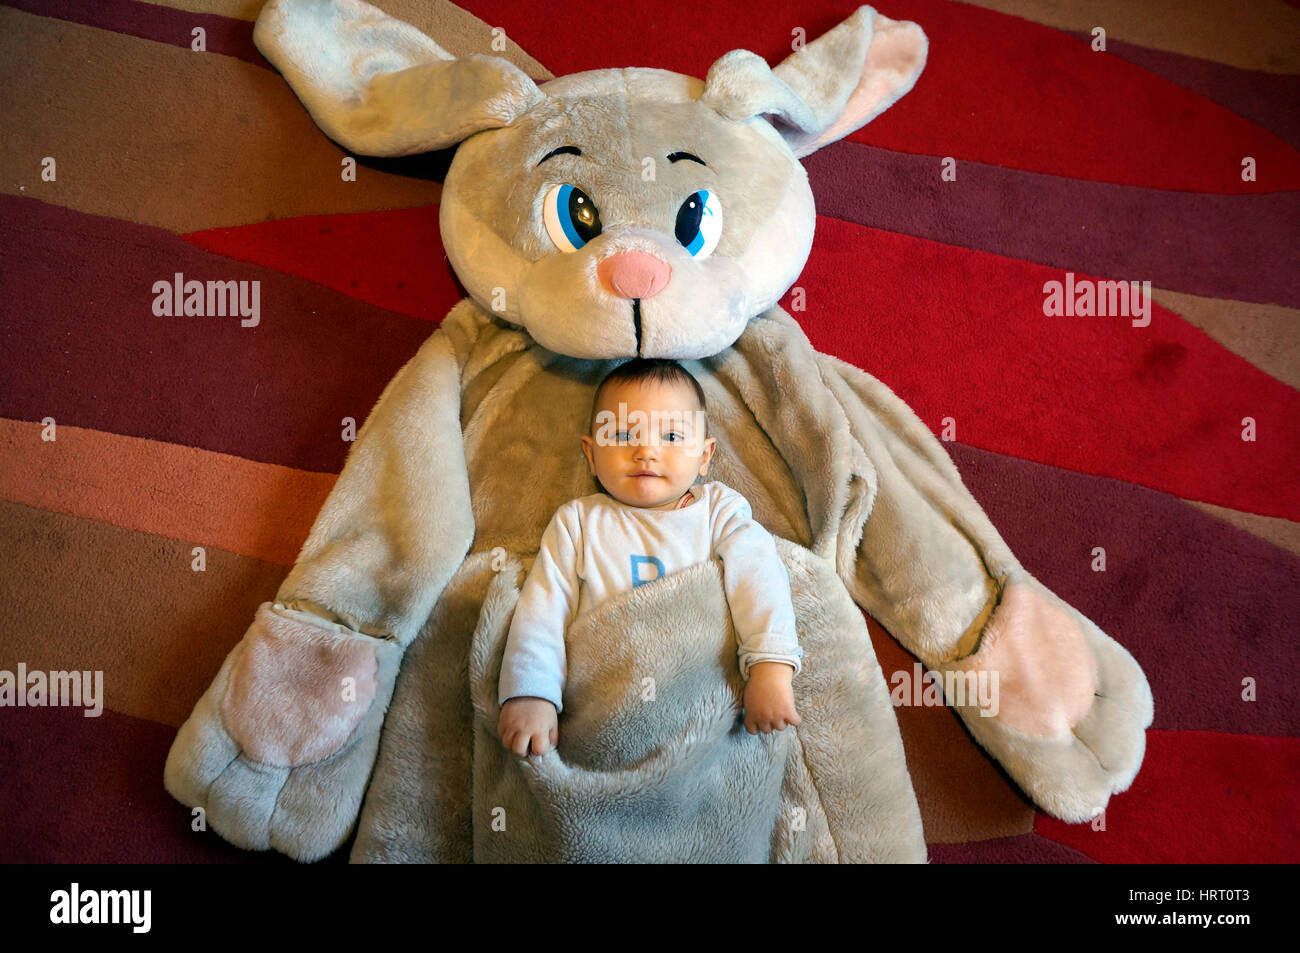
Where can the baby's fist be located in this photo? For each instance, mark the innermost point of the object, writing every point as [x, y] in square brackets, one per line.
[769, 699]
[527, 721]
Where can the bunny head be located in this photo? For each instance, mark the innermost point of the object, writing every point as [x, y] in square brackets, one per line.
[612, 213]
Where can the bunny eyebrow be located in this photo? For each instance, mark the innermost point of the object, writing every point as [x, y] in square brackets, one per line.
[563, 150]
[575, 151]
[677, 156]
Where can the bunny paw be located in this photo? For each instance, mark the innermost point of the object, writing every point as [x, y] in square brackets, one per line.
[278, 751]
[1061, 706]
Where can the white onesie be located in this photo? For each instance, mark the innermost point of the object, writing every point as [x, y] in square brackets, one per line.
[596, 546]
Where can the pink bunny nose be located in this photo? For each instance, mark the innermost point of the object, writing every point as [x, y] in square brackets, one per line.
[633, 274]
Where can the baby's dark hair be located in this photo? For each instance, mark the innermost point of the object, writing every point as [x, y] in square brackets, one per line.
[658, 369]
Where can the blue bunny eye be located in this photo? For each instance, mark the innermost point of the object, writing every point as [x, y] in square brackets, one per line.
[699, 223]
[571, 217]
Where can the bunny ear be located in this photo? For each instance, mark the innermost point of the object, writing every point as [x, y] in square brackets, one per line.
[378, 86]
[824, 91]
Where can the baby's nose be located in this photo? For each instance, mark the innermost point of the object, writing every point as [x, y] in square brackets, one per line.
[633, 274]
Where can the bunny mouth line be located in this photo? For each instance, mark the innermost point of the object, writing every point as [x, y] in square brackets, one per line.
[636, 323]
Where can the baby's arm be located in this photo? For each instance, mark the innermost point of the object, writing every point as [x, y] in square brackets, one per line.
[531, 686]
[762, 611]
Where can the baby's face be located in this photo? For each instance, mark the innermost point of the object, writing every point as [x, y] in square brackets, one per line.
[648, 445]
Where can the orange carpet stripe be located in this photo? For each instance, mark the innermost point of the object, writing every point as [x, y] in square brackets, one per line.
[1267, 335]
[136, 136]
[260, 510]
[84, 595]
[1259, 35]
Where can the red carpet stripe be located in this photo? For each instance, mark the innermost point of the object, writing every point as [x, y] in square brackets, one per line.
[1092, 116]
[1199, 603]
[224, 35]
[78, 790]
[1241, 247]
[1200, 798]
[962, 334]
[1266, 99]
[330, 249]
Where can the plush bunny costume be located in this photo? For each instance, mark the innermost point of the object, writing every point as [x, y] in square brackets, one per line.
[365, 693]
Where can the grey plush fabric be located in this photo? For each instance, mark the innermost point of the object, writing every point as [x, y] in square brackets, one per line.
[364, 696]
[654, 763]
[834, 789]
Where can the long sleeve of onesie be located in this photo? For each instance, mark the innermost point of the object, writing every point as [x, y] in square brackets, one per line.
[534, 660]
[757, 587]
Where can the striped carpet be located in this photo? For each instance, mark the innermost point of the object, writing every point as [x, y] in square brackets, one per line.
[1075, 433]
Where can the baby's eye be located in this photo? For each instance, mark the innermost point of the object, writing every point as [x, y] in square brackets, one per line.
[673, 437]
[622, 436]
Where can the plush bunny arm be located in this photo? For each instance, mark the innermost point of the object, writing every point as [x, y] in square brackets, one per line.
[398, 522]
[279, 749]
[929, 563]
[378, 86]
[1064, 707]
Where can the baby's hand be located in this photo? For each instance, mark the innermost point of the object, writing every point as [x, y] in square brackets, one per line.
[769, 700]
[527, 720]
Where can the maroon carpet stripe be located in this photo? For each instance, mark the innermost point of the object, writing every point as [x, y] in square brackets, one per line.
[1025, 849]
[1267, 99]
[1219, 246]
[225, 35]
[78, 790]
[86, 349]
[1199, 603]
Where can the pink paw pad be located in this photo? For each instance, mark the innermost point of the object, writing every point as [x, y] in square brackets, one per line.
[1046, 671]
[298, 690]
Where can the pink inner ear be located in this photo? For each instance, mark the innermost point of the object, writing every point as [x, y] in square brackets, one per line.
[893, 58]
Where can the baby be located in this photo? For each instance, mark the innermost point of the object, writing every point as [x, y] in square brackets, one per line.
[647, 442]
